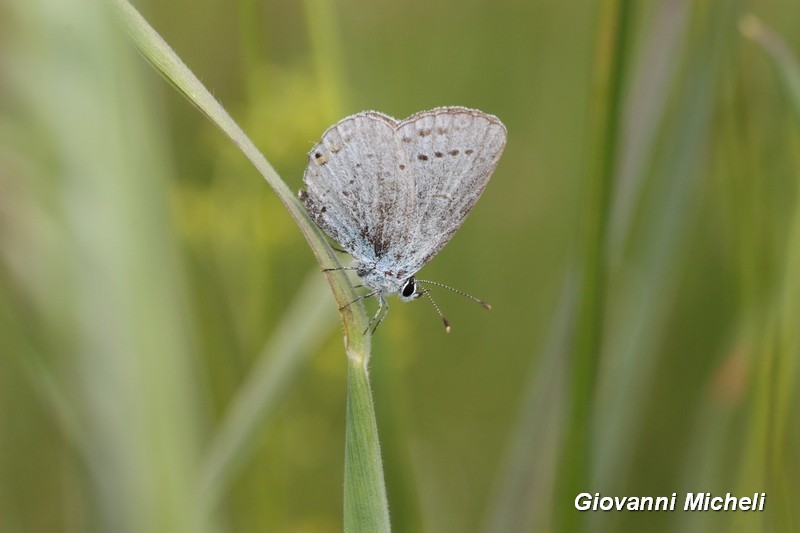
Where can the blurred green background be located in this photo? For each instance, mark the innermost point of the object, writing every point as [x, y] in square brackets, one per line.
[639, 242]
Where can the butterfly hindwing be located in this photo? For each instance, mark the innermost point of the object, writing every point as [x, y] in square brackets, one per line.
[359, 187]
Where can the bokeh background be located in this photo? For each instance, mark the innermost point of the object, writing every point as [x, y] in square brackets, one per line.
[164, 327]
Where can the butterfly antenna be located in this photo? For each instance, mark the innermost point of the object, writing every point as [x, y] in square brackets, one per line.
[485, 305]
[427, 293]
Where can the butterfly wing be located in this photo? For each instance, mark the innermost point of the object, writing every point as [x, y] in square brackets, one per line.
[359, 188]
[453, 152]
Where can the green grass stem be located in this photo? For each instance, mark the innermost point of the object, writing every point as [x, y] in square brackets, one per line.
[613, 39]
[646, 293]
[770, 453]
[365, 494]
[303, 326]
[164, 59]
[366, 508]
[521, 499]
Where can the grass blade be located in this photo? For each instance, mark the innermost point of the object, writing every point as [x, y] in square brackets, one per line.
[645, 292]
[646, 100]
[780, 54]
[614, 34]
[164, 59]
[108, 290]
[366, 508]
[304, 325]
[522, 499]
[770, 452]
[365, 493]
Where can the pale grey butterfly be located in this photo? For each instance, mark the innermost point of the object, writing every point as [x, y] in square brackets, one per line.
[392, 193]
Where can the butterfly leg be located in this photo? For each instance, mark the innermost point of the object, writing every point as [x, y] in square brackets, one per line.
[338, 268]
[363, 296]
[377, 314]
[382, 305]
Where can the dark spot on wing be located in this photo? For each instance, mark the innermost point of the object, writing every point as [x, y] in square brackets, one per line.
[438, 154]
[454, 152]
[320, 159]
[311, 206]
[441, 131]
[402, 166]
[469, 151]
[422, 157]
[345, 194]
[424, 132]
[406, 139]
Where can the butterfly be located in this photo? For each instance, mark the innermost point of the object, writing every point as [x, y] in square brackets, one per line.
[393, 192]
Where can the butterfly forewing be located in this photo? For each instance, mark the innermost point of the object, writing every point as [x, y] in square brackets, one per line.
[453, 152]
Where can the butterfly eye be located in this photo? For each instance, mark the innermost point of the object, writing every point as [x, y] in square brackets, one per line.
[409, 288]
